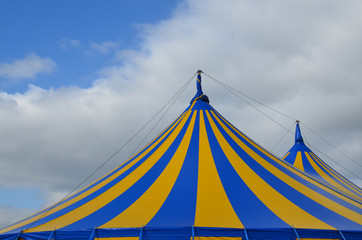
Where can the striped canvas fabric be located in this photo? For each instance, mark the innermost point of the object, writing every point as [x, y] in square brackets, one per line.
[201, 178]
[301, 157]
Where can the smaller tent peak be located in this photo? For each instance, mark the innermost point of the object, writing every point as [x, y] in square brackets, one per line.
[298, 134]
[199, 94]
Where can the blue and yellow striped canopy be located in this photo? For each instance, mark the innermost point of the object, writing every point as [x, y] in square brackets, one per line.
[200, 178]
[301, 157]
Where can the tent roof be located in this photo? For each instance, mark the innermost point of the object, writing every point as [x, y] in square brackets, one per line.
[200, 177]
[301, 157]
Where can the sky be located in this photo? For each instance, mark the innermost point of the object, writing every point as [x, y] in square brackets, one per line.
[78, 79]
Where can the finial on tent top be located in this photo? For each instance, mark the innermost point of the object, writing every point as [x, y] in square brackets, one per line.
[199, 94]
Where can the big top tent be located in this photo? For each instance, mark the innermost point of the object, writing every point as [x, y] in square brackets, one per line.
[301, 157]
[200, 178]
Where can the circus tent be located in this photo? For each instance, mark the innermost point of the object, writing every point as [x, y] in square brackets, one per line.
[200, 178]
[301, 157]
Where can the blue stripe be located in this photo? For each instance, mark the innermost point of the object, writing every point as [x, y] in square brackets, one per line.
[201, 105]
[184, 233]
[180, 206]
[246, 205]
[301, 200]
[308, 168]
[292, 157]
[122, 202]
[336, 176]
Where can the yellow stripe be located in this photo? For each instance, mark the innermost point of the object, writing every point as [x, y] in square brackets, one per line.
[286, 155]
[298, 163]
[285, 165]
[336, 175]
[112, 193]
[145, 208]
[213, 208]
[276, 202]
[329, 179]
[317, 197]
[198, 98]
[192, 105]
[95, 188]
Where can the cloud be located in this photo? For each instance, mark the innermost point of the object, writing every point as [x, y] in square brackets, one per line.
[301, 58]
[12, 214]
[103, 47]
[28, 67]
[66, 43]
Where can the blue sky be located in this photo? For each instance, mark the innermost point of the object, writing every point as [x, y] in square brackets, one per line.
[69, 35]
[80, 78]
[68, 32]
[14, 197]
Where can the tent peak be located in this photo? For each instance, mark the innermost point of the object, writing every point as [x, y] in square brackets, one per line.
[298, 134]
[199, 94]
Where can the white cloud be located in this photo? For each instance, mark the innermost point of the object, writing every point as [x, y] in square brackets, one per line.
[28, 67]
[66, 43]
[301, 58]
[103, 47]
